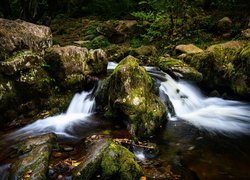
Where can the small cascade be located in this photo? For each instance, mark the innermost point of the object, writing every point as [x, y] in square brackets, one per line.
[81, 107]
[213, 114]
[81, 103]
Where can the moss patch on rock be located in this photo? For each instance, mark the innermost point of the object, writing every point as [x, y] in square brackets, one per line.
[178, 68]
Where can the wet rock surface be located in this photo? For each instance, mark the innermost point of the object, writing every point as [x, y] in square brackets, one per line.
[178, 68]
[33, 159]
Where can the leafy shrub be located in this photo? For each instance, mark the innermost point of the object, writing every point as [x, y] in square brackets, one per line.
[156, 24]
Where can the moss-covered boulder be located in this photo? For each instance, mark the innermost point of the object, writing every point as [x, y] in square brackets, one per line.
[119, 163]
[227, 45]
[225, 66]
[18, 35]
[70, 64]
[110, 160]
[224, 25]
[178, 68]
[128, 94]
[21, 61]
[241, 82]
[246, 33]
[34, 156]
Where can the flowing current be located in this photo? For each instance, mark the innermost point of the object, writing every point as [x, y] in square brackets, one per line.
[82, 106]
[212, 114]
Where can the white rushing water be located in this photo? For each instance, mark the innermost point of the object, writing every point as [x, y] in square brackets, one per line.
[213, 114]
[80, 108]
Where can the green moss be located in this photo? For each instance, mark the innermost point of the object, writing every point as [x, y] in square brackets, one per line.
[118, 162]
[169, 64]
[224, 67]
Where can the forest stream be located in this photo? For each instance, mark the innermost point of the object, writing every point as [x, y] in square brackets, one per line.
[207, 136]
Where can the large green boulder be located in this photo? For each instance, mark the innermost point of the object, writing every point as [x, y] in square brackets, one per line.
[128, 96]
[110, 160]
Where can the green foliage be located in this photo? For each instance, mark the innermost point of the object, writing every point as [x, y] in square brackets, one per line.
[97, 43]
[136, 42]
[109, 8]
[208, 23]
[144, 16]
[156, 24]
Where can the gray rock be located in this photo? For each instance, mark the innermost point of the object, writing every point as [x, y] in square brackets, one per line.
[188, 49]
[70, 64]
[18, 35]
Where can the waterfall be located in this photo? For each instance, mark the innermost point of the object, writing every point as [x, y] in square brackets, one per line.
[81, 103]
[81, 107]
[213, 114]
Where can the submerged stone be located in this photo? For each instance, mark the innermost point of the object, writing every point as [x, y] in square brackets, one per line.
[128, 94]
